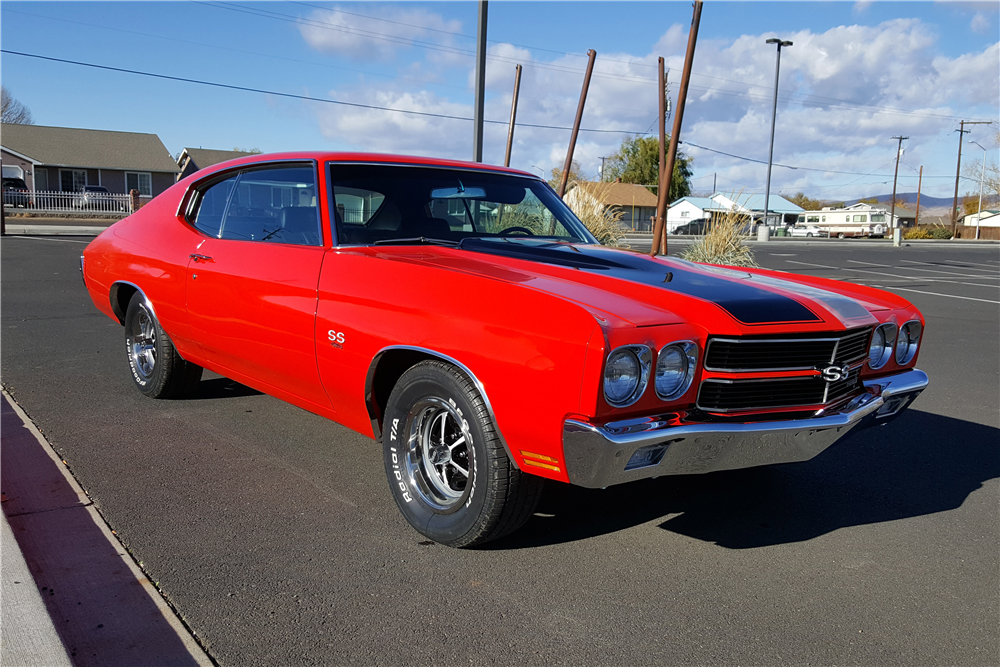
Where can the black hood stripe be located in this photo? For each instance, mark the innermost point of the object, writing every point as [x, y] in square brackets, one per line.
[745, 302]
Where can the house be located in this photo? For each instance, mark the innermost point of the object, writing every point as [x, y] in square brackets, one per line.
[686, 209]
[193, 159]
[988, 218]
[636, 203]
[65, 159]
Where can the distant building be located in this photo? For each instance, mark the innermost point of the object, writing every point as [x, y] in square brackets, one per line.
[989, 218]
[636, 203]
[193, 159]
[65, 159]
[687, 209]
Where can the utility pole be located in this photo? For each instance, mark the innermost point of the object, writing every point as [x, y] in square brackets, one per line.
[602, 168]
[477, 121]
[892, 214]
[591, 55]
[958, 169]
[920, 182]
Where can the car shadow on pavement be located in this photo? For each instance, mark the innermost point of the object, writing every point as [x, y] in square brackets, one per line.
[221, 387]
[921, 464]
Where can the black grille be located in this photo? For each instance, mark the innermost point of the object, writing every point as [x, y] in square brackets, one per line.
[801, 352]
[720, 396]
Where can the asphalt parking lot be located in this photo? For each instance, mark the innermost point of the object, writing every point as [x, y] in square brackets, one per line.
[272, 533]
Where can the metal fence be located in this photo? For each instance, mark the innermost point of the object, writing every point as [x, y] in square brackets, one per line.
[68, 202]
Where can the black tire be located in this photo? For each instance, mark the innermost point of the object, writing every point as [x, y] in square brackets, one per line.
[425, 472]
[154, 365]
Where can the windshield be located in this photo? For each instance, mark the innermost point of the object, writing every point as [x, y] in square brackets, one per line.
[386, 203]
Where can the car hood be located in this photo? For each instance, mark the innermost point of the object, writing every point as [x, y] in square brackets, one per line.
[641, 290]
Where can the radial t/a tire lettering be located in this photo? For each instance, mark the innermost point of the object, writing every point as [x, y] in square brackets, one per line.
[154, 365]
[447, 469]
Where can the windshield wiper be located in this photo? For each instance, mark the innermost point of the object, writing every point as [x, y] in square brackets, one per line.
[419, 240]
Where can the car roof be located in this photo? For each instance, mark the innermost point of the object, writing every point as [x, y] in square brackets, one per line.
[357, 157]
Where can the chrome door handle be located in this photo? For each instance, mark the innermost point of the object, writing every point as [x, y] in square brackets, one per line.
[201, 258]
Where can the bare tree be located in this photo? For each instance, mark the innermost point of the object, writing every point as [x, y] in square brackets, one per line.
[973, 171]
[12, 110]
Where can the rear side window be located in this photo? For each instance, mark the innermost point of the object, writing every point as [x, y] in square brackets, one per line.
[212, 207]
[270, 205]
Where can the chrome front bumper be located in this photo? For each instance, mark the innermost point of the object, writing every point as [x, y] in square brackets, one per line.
[625, 451]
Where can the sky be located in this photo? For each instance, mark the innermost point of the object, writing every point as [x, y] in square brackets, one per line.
[857, 75]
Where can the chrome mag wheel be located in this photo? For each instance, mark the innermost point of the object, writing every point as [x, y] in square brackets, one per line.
[143, 349]
[438, 451]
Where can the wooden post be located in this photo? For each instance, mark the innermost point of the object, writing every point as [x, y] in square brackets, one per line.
[661, 206]
[592, 54]
[513, 115]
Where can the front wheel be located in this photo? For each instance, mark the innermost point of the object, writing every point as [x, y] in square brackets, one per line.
[156, 368]
[447, 469]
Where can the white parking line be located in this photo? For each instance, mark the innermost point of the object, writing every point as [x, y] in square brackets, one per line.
[947, 296]
[884, 266]
[947, 273]
[920, 278]
[821, 266]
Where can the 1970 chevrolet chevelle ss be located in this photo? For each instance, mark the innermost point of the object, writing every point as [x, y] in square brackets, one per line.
[463, 315]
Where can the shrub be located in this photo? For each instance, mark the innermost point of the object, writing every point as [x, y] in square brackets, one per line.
[723, 244]
[940, 233]
[601, 219]
[917, 233]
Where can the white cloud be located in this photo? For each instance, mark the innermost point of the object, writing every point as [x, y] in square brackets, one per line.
[980, 24]
[363, 38]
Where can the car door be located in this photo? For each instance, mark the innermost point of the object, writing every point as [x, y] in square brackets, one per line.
[252, 281]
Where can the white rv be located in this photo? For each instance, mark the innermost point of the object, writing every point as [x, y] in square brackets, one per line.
[853, 221]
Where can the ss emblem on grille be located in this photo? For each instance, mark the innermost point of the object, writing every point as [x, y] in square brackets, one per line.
[835, 373]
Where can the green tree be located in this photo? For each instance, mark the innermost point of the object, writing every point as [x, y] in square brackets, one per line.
[637, 160]
[575, 174]
[807, 203]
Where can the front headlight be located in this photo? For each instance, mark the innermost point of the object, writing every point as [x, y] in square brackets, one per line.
[881, 346]
[626, 374]
[907, 342]
[675, 366]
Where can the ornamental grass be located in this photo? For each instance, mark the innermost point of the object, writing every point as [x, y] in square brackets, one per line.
[602, 219]
[724, 242]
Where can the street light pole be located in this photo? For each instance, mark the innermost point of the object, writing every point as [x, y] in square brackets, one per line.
[892, 213]
[979, 213]
[774, 114]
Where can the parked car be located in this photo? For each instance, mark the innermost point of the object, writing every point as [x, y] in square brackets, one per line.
[463, 316]
[16, 193]
[696, 227]
[97, 197]
[808, 231]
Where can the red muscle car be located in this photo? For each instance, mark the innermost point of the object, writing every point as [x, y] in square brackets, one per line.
[463, 315]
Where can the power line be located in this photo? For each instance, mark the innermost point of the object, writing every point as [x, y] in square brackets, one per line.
[300, 97]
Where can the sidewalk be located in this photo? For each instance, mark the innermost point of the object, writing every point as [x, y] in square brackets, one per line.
[55, 226]
[71, 593]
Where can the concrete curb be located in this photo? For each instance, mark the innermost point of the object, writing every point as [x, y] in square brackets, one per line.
[103, 608]
[52, 230]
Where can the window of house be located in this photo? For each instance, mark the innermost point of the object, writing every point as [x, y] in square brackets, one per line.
[72, 180]
[685, 214]
[139, 180]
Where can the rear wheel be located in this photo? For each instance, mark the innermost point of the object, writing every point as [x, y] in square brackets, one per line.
[156, 368]
[448, 470]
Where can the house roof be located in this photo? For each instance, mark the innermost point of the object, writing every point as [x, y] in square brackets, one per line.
[95, 149]
[775, 203]
[206, 157]
[704, 203]
[620, 194]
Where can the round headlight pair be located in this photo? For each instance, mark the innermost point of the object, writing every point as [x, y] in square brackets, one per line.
[626, 374]
[907, 342]
[675, 365]
[880, 349]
